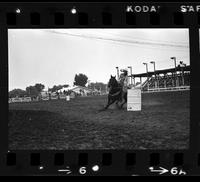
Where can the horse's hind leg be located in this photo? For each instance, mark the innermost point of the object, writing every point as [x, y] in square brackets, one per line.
[125, 100]
[117, 104]
[122, 104]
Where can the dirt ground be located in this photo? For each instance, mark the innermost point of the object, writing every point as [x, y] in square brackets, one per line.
[163, 123]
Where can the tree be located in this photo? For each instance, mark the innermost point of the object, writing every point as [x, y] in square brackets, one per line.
[66, 85]
[32, 91]
[80, 80]
[39, 87]
[17, 93]
[57, 87]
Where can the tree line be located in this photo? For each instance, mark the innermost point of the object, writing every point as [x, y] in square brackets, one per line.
[30, 91]
[35, 90]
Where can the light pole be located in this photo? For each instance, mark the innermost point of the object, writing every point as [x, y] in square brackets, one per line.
[117, 73]
[182, 69]
[175, 80]
[131, 74]
[154, 64]
[146, 64]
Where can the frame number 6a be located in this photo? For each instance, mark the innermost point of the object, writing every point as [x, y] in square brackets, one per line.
[175, 171]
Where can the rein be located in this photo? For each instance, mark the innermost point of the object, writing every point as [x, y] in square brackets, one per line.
[117, 93]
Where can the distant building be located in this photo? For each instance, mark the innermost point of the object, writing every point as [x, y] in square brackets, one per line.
[64, 89]
[44, 93]
[83, 91]
[79, 90]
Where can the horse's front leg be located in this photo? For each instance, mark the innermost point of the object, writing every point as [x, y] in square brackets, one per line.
[110, 102]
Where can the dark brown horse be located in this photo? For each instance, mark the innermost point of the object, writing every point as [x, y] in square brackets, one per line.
[116, 93]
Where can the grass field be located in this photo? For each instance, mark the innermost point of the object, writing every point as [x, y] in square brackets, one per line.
[163, 123]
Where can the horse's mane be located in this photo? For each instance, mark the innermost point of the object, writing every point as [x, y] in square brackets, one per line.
[116, 84]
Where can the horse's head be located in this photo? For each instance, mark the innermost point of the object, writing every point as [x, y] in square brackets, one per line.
[112, 82]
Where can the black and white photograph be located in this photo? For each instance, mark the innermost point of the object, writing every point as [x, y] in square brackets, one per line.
[99, 89]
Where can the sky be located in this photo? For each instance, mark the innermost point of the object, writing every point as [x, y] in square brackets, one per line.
[54, 56]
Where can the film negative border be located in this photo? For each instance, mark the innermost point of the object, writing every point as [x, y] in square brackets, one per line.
[107, 163]
[97, 15]
[101, 15]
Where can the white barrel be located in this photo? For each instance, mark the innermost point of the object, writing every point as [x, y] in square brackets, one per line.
[134, 102]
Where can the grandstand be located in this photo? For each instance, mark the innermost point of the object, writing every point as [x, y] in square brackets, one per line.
[168, 79]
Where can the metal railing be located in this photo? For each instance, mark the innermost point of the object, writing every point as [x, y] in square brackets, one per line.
[168, 89]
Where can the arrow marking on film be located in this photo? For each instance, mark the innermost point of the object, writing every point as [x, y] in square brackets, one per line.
[68, 171]
[160, 171]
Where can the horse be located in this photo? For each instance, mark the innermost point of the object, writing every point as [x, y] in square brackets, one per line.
[116, 93]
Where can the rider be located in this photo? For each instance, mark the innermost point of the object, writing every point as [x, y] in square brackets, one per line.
[123, 81]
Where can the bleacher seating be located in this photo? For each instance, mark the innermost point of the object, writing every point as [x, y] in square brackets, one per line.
[167, 81]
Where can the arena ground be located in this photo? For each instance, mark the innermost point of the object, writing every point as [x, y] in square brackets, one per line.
[163, 123]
